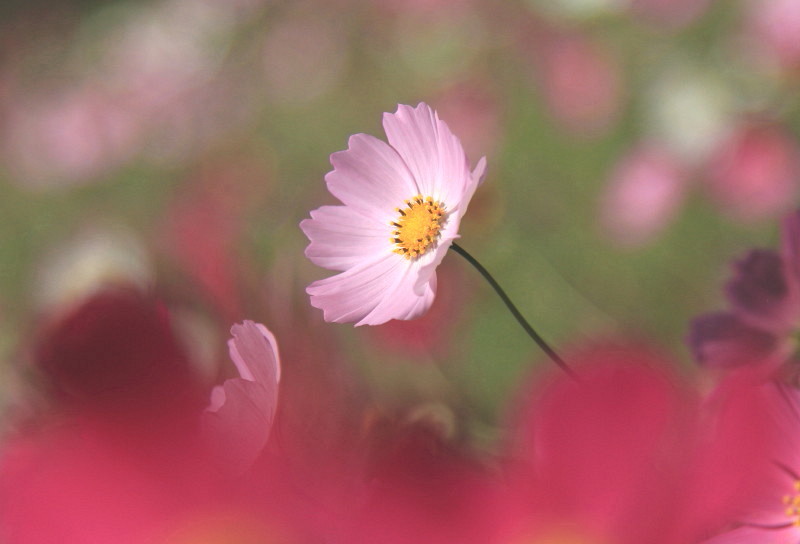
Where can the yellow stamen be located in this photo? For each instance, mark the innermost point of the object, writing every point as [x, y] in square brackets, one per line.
[417, 226]
[792, 503]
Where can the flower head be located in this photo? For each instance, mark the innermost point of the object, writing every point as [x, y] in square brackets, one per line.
[403, 203]
[764, 315]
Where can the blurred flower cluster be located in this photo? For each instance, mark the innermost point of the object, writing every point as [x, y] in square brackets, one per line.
[175, 172]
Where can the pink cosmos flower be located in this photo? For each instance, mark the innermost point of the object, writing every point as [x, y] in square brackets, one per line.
[403, 203]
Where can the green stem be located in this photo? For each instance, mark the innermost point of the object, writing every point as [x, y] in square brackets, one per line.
[514, 311]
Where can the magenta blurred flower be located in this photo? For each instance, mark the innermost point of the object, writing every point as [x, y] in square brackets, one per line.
[423, 488]
[772, 511]
[629, 454]
[239, 419]
[403, 204]
[754, 172]
[764, 294]
[121, 455]
[643, 195]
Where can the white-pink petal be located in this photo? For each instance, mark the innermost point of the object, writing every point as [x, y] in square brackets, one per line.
[359, 294]
[434, 155]
[373, 179]
[239, 418]
[370, 177]
[341, 238]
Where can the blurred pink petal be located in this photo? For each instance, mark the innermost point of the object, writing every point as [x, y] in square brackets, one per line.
[644, 193]
[71, 138]
[773, 29]
[239, 419]
[403, 204]
[581, 84]
[754, 172]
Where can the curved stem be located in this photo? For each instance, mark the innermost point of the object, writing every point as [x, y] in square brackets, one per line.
[514, 311]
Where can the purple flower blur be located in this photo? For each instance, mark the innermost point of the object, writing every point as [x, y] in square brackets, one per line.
[764, 296]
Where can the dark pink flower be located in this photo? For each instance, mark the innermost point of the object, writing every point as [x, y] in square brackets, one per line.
[121, 455]
[116, 354]
[771, 514]
[630, 453]
[422, 488]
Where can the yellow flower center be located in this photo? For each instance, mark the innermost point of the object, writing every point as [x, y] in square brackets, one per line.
[417, 226]
[792, 503]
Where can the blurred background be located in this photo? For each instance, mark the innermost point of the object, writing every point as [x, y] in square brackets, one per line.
[634, 147]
